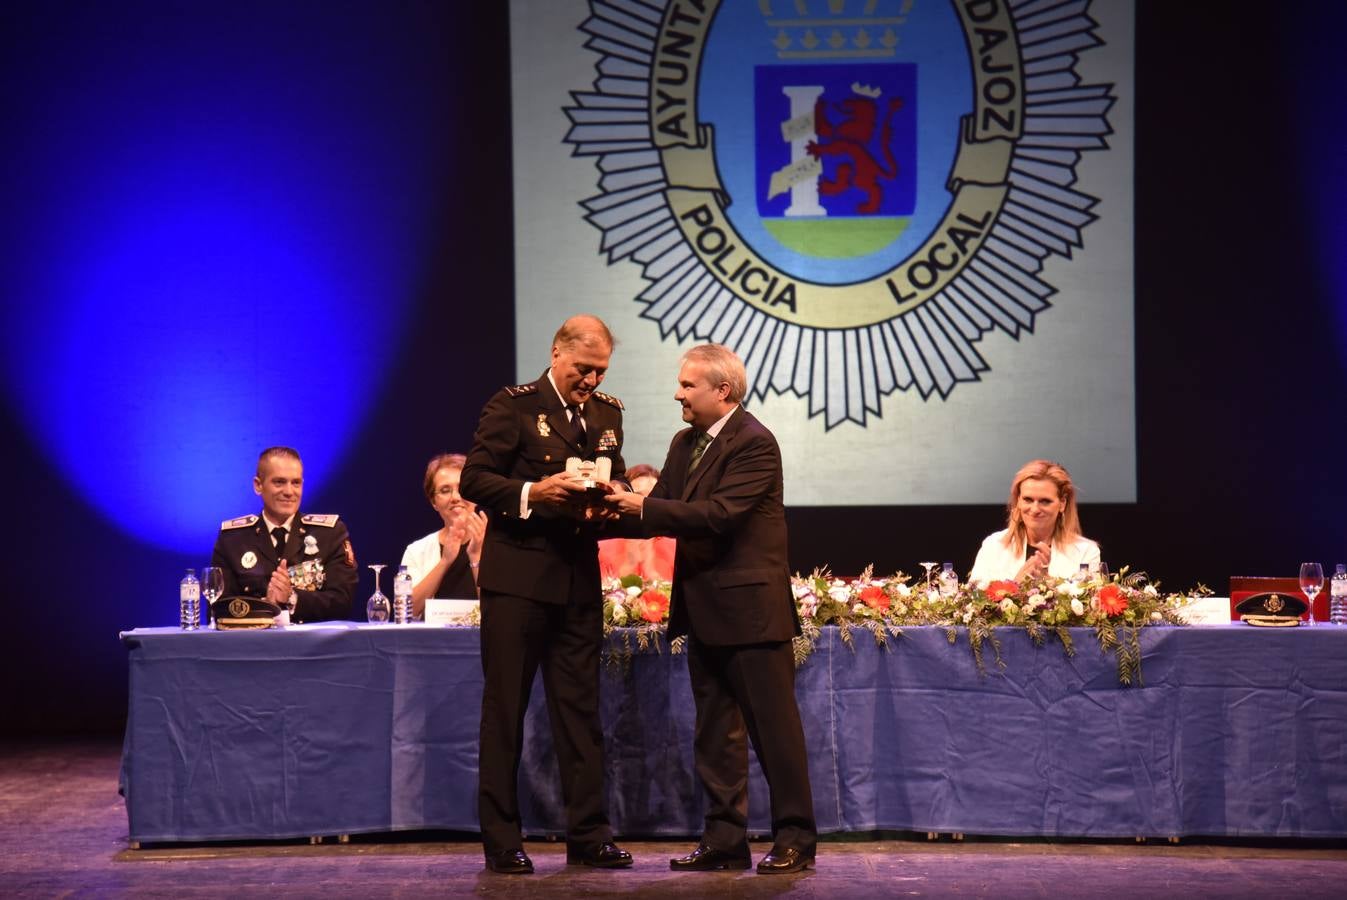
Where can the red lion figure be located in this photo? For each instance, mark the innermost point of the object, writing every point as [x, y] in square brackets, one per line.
[849, 139]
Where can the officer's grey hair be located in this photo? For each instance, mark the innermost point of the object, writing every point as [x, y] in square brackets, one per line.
[584, 329]
[285, 452]
[721, 365]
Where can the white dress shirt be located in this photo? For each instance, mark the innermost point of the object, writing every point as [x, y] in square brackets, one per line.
[524, 511]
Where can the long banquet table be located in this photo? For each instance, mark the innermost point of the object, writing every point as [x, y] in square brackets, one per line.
[344, 728]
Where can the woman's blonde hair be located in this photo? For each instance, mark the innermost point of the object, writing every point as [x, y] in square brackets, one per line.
[1067, 526]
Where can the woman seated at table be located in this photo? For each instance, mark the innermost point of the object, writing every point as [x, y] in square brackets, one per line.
[650, 558]
[444, 562]
[1042, 535]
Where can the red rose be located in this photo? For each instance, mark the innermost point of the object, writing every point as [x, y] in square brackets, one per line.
[1000, 590]
[1112, 600]
[654, 607]
[875, 598]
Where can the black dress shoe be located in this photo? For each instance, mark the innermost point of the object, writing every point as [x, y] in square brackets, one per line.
[510, 862]
[783, 862]
[605, 855]
[707, 859]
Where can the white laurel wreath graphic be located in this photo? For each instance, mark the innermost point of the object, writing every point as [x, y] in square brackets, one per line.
[844, 373]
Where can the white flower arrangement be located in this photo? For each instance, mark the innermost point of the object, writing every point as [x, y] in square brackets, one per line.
[1114, 607]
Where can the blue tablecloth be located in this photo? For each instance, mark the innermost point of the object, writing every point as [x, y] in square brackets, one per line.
[335, 729]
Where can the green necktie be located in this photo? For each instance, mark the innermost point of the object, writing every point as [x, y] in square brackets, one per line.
[702, 440]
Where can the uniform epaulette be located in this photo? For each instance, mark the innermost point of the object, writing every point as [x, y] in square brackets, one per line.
[240, 522]
[521, 390]
[609, 399]
[316, 519]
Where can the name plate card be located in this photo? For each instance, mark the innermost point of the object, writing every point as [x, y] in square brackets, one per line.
[449, 612]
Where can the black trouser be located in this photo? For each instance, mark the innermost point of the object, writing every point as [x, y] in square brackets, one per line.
[750, 688]
[519, 636]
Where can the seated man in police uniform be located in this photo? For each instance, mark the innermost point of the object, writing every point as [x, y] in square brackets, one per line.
[301, 563]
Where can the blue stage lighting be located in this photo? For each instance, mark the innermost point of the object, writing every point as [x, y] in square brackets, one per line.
[225, 221]
[1314, 87]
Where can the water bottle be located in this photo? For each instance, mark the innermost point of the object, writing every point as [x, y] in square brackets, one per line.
[402, 596]
[948, 579]
[1337, 596]
[189, 602]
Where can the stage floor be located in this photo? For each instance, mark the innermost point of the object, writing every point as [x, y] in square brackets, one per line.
[63, 831]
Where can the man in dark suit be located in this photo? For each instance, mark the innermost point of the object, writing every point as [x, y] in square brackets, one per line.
[304, 564]
[542, 604]
[719, 494]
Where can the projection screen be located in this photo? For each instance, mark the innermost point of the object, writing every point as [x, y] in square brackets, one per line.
[912, 219]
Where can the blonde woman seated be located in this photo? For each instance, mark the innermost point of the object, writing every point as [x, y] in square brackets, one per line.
[444, 562]
[1042, 536]
[651, 558]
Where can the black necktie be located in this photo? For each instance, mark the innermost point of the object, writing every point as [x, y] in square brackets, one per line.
[279, 534]
[702, 440]
[577, 426]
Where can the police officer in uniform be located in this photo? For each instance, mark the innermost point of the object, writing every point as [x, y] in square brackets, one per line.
[301, 563]
[542, 604]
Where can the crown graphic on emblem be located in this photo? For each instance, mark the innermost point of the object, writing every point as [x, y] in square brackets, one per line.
[834, 29]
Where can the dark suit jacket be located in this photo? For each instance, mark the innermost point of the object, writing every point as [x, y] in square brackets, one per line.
[524, 435]
[731, 577]
[247, 534]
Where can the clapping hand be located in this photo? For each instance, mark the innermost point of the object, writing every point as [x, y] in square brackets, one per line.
[279, 589]
[474, 525]
[455, 536]
[1037, 565]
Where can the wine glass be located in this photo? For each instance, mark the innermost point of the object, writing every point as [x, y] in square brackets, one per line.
[212, 586]
[1311, 583]
[377, 609]
[928, 566]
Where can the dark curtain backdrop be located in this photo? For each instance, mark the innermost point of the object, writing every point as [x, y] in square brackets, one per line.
[1240, 368]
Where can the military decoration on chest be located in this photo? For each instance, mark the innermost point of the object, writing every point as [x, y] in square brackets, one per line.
[308, 575]
[607, 441]
[544, 430]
